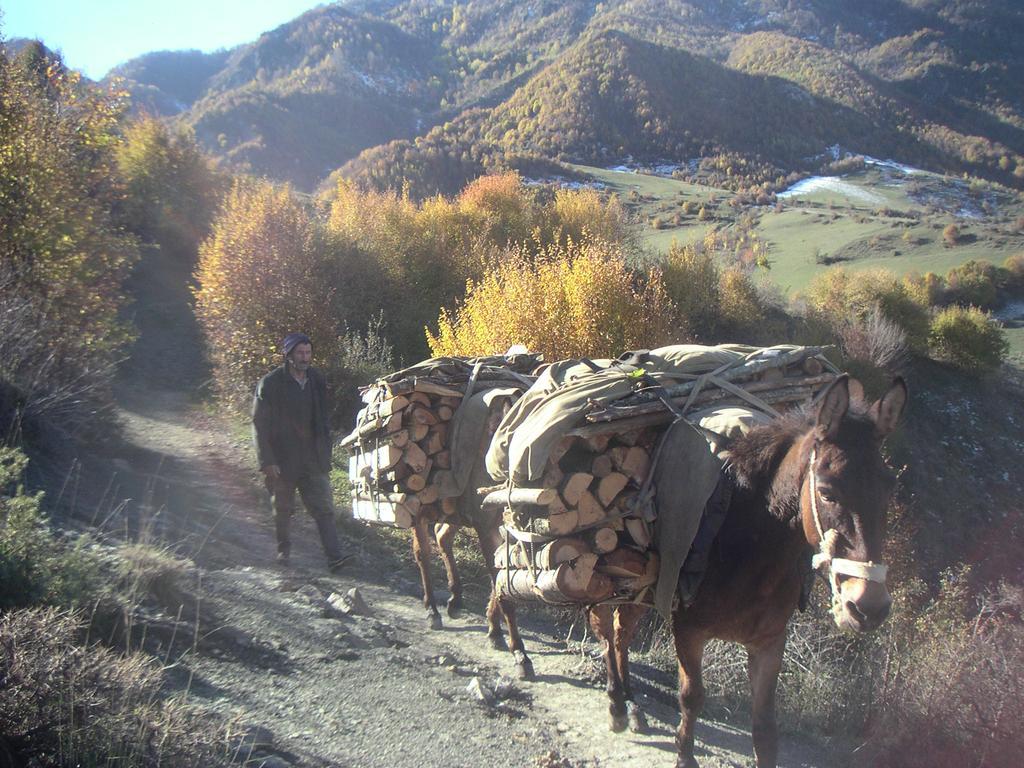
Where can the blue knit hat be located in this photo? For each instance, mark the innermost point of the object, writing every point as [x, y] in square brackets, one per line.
[292, 340]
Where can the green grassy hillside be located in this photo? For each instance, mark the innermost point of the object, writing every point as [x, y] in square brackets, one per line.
[876, 217]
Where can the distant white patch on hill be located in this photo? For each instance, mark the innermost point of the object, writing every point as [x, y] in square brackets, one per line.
[892, 165]
[831, 184]
[664, 170]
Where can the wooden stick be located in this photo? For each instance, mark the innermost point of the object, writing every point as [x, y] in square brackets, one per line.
[518, 496]
[620, 414]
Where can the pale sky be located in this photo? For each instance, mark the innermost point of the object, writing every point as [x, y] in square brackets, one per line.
[95, 36]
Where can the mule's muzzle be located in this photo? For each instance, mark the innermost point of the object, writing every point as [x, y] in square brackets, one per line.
[865, 604]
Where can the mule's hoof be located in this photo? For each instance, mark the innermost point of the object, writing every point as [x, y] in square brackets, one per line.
[434, 621]
[618, 724]
[454, 606]
[498, 642]
[635, 715]
[687, 762]
[524, 667]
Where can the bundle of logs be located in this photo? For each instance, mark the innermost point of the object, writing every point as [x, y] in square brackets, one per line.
[584, 536]
[401, 440]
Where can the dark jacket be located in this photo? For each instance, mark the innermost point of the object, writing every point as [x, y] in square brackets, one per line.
[269, 419]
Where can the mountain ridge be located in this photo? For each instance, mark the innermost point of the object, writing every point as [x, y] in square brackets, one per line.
[933, 79]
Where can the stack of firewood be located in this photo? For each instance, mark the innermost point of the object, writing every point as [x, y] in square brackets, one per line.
[400, 441]
[584, 536]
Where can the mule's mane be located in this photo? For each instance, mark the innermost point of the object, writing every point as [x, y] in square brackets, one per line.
[757, 457]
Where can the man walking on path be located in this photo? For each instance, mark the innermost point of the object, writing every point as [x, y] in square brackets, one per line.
[293, 445]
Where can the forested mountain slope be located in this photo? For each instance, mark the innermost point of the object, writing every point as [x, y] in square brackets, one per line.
[934, 82]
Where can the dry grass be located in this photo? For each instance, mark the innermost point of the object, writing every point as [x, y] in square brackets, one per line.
[65, 703]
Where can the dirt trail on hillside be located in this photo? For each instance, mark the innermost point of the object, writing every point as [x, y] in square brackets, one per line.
[311, 686]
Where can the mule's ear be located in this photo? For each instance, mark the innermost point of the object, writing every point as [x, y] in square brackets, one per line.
[887, 411]
[834, 404]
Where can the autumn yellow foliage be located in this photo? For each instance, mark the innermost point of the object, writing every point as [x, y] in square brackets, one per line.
[267, 269]
[576, 300]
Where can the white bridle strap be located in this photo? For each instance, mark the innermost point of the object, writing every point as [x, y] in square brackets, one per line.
[838, 566]
[860, 570]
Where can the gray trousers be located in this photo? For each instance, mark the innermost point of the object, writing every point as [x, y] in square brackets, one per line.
[318, 500]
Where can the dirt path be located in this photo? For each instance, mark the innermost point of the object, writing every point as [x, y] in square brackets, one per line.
[378, 690]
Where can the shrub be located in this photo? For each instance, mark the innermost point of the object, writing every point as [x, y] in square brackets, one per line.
[876, 340]
[744, 314]
[952, 692]
[35, 566]
[578, 300]
[583, 214]
[270, 267]
[837, 295]
[968, 338]
[261, 274]
[1014, 268]
[691, 277]
[63, 255]
[172, 193]
[503, 205]
[423, 253]
[928, 290]
[951, 235]
[973, 283]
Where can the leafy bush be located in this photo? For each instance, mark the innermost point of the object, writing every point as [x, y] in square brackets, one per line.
[951, 235]
[268, 268]
[583, 214]
[968, 338]
[66, 704]
[424, 253]
[928, 290]
[578, 300]
[745, 314]
[973, 283]
[427, 251]
[837, 295]
[500, 207]
[691, 276]
[1014, 269]
[35, 566]
[64, 256]
[712, 284]
[171, 191]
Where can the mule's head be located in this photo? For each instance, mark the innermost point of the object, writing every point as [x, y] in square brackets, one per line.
[845, 498]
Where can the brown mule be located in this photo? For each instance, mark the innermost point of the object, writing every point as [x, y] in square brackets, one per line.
[800, 485]
[486, 525]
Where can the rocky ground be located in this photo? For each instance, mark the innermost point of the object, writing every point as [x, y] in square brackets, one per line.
[307, 678]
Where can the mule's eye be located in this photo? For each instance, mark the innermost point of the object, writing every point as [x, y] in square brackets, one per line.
[827, 497]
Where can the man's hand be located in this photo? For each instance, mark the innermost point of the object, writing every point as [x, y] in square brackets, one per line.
[271, 472]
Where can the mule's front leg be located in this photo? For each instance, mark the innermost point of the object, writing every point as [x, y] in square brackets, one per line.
[445, 539]
[763, 665]
[498, 607]
[627, 619]
[690, 652]
[602, 621]
[421, 552]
